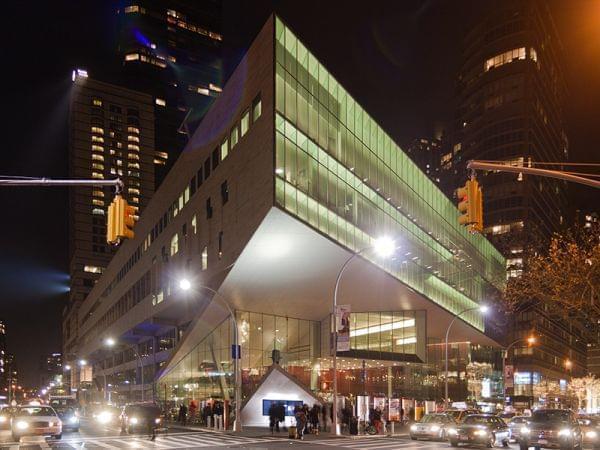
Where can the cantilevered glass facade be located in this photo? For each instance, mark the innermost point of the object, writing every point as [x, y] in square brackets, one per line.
[337, 170]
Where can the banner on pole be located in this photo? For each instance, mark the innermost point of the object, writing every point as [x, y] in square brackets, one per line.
[342, 326]
[509, 376]
[394, 410]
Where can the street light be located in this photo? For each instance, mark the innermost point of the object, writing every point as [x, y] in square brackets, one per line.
[483, 309]
[186, 285]
[82, 362]
[68, 367]
[110, 343]
[384, 247]
[530, 340]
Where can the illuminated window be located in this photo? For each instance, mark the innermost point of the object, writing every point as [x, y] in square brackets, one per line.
[97, 139]
[160, 102]
[98, 166]
[113, 171]
[132, 9]
[97, 157]
[516, 250]
[98, 211]
[163, 155]
[505, 58]
[133, 165]
[97, 202]
[160, 162]
[97, 130]
[186, 195]
[256, 109]
[97, 148]
[119, 162]
[133, 191]
[135, 199]
[93, 269]
[245, 123]
[133, 139]
[457, 147]
[97, 175]
[205, 258]
[533, 54]
[97, 102]
[112, 152]
[234, 136]
[514, 262]
[132, 57]
[174, 244]
[516, 273]
[97, 193]
[133, 147]
[224, 149]
[133, 156]
[119, 145]
[133, 173]
[194, 224]
[133, 130]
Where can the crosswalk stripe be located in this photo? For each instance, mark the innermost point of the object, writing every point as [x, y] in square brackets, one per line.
[180, 441]
[103, 444]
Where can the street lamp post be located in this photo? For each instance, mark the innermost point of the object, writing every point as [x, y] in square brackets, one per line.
[530, 340]
[186, 285]
[481, 308]
[384, 247]
[110, 342]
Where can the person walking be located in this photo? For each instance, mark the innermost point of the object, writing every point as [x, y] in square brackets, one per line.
[300, 416]
[314, 418]
[182, 416]
[273, 419]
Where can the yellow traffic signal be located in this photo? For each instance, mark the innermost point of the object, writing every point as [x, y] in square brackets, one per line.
[470, 205]
[120, 221]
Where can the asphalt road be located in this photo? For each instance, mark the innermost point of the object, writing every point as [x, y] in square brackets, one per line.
[96, 436]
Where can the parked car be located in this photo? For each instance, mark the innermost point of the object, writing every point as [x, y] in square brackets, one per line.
[141, 417]
[459, 414]
[551, 428]
[515, 424]
[483, 429]
[35, 421]
[590, 429]
[432, 426]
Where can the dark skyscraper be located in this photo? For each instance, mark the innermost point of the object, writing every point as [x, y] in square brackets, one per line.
[511, 92]
[172, 51]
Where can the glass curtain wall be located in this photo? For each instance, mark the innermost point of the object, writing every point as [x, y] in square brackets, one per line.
[337, 170]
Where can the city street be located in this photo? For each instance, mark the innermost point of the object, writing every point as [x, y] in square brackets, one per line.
[92, 435]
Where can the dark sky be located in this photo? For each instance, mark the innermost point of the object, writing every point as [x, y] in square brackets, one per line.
[396, 58]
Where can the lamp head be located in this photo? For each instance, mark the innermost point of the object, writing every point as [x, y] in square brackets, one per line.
[82, 362]
[109, 342]
[184, 284]
[384, 246]
[484, 309]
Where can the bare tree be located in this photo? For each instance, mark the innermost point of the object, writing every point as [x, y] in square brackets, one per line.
[585, 388]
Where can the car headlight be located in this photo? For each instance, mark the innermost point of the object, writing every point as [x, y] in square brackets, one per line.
[157, 420]
[452, 431]
[480, 433]
[565, 432]
[434, 428]
[591, 434]
[524, 430]
[104, 417]
[21, 424]
[74, 419]
[2, 419]
[413, 428]
[133, 420]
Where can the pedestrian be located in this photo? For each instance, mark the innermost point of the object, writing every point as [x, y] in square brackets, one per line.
[273, 418]
[377, 419]
[192, 410]
[218, 413]
[280, 414]
[181, 418]
[314, 418]
[300, 416]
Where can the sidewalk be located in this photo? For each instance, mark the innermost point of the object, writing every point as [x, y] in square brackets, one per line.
[262, 432]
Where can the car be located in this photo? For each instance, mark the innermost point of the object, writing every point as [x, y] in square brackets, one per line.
[33, 420]
[506, 416]
[551, 428]
[515, 424]
[590, 430]
[432, 426]
[141, 417]
[483, 429]
[460, 414]
[69, 418]
[5, 417]
[107, 415]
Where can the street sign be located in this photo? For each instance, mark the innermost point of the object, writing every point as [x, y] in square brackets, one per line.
[236, 351]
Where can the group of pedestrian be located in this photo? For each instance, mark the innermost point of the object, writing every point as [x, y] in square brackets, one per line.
[307, 419]
[209, 413]
[276, 415]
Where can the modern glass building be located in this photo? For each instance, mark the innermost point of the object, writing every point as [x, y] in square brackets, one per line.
[284, 180]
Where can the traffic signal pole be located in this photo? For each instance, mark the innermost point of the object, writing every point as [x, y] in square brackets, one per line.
[499, 167]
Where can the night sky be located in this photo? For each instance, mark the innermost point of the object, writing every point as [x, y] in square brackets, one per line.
[396, 58]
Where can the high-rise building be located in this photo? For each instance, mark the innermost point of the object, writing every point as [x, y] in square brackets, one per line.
[283, 182]
[427, 154]
[511, 92]
[3, 366]
[172, 50]
[111, 134]
[50, 370]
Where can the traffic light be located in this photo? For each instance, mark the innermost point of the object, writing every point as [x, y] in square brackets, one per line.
[120, 221]
[470, 205]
